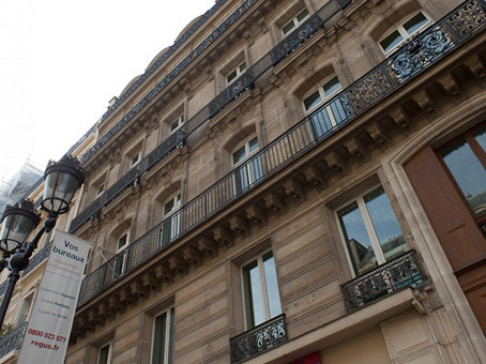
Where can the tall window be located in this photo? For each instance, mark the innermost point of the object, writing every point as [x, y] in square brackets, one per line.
[163, 336]
[371, 230]
[294, 23]
[235, 73]
[326, 118]
[260, 289]
[465, 157]
[248, 170]
[104, 354]
[176, 124]
[120, 263]
[403, 32]
[25, 309]
[172, 225]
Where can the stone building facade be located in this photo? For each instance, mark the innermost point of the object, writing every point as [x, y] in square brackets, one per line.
[293, 181]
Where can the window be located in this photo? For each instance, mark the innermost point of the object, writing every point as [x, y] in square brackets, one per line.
[260, 290]
[295, 22]
[235, 73]
[171, 227]
[176, 124]
[104, 354]
[403, 32]
[326, 118]
[465, 158]
[247, 170]
[99, 190]
[135, 159]
[25, 309]
[162, 338]
[120, 263]
[371, 230]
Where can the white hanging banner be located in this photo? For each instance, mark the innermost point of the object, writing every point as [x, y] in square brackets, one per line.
[47, 335]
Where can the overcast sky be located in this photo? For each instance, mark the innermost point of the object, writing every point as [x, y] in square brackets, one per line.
[61, 61]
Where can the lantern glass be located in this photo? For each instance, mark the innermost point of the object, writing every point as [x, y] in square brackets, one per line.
[17, 224]
[61, 181]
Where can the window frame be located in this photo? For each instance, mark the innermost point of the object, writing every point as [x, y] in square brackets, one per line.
[369, 227]
[296, 22]
[169, 335]
[29, 297]
[238, 72]
[238, 166]
[108, 358]
[175, 224]
[403, 32]
[138, 155]
[179, 120]
[122, 250]
[263, 285]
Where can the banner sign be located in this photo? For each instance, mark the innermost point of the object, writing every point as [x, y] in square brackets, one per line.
[47, 334]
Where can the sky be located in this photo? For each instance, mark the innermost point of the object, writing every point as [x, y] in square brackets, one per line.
[61, 61]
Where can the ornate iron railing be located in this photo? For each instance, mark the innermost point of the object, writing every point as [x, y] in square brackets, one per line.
[37, 259]
[258, 340]
[395, 275]
[454, 29]
[11, 341]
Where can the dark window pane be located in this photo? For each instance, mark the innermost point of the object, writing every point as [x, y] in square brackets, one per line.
[332, 86]
[158, 345]
[414, 24]
[239, 155]
[302, 14]
[468, 172]
[103, 355]
[480, 136]
[312, 101]
[385, 223]
[359, 244]
[391, 41]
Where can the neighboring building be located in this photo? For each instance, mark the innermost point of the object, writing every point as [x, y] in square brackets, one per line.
[293, 180]
[20, 184]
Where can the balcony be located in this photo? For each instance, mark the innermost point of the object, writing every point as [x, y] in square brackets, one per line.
[37, 259]
[402, 272]
[258, 340]
[418, 55]
[11, 341]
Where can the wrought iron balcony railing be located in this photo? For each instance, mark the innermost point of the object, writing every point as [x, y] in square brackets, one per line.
[395, 275]
[258, 340]
[416, 56]
[11, 341]
[37, 259]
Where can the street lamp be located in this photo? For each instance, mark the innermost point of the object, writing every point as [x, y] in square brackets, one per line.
[61, 181]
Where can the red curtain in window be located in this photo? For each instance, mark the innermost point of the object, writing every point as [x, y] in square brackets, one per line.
[310, 359]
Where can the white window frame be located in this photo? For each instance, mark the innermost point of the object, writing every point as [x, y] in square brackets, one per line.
[137, 155]
[403, 32]
[238, 70]
[122, 250]
[175, 223]
[296, 22]
[370, 229]
[266, 304]
[100, 189]
[179, 121]
[23, 311]
[248, 154]
[110, 349]
[168, 334]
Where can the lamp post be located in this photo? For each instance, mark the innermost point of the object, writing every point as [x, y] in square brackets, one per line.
[61, 181]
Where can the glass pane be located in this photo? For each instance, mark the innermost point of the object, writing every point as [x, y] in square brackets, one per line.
[122, 241]
[321, 122]
[312, 101]
[256, 169]
[274, 305]
[242, 67]
[239, 155]
[414, 24]
[254, 308]
[103, 354]
[332, 86]
[171, 334]
[468, 172]
[253, 145]
[288, 27]
[231, 76]
[302, 15]
[385, 223]
[391, 41]
[158, 344]
[168, 207]
[480, 136]
[241, 179]
[359, 244]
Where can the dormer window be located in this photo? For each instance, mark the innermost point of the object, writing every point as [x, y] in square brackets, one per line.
[294, 23]
[403, 32]
[235, 73]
